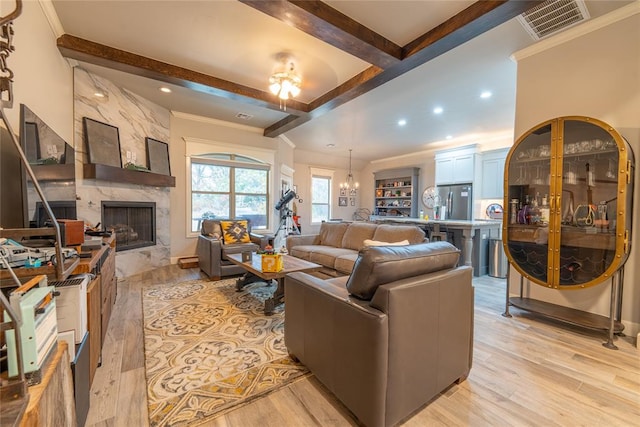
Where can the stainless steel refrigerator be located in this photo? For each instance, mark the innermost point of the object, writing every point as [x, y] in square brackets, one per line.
[456, 201]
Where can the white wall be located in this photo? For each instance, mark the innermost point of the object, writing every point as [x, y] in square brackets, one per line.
[185, 126]
[597, 75]
[43, 80]
[339, 165]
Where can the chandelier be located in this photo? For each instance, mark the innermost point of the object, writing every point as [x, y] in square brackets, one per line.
[350, 185]
[285, 84]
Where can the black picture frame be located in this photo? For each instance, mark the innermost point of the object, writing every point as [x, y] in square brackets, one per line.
[103, 143]
[342, 201]
[158, 156]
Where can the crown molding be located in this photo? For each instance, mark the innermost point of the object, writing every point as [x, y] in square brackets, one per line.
[208, 120]
[52, 16]
[578, 31]
[287, 140]
[287, 170]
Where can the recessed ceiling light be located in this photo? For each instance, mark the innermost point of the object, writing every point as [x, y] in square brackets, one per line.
[449, 136]
[486, 94]
[438, 110]
[402, 122]
[165, 89]
[99, 95]
[331, 145]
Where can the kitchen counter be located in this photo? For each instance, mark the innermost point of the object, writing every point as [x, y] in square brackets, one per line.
[453, 222]
[470, 236]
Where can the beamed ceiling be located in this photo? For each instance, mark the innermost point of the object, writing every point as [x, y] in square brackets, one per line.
[221, 53]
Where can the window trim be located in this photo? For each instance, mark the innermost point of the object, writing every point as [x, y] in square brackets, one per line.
[198, 148]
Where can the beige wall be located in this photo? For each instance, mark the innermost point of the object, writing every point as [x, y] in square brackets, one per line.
[596, 75]
[425, 160]
[43, 80]
[183, 126]
[339, 165]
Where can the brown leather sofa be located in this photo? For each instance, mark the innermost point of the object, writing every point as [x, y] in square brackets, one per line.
[389, 337]
[212, 251]
[336, 245]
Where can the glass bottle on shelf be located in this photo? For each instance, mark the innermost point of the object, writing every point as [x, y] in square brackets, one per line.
[578, 233]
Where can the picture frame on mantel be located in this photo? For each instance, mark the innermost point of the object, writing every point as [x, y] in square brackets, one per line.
[158, 156]
[103, 143]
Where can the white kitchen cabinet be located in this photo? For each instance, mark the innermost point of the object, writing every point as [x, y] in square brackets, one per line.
[492, 184]
[456, 166]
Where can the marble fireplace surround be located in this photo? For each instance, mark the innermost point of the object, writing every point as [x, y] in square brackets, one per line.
[136, 118]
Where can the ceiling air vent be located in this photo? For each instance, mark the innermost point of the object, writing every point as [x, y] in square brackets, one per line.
[553, 16]
[243, 116]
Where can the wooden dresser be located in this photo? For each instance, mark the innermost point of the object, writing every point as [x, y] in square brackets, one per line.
[101, 296]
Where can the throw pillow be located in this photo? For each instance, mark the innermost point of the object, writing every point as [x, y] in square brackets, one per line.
[211, 228]
[235, 232]
[368, 242]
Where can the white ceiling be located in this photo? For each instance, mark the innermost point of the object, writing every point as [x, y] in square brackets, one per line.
[234, 42]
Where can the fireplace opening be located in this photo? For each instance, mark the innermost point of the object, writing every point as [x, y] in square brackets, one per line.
[134, 223]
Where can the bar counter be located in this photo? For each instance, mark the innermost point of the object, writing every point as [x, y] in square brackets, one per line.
[470, 236]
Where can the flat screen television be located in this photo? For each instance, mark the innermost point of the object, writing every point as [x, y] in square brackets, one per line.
[53, 162]
[41, 144]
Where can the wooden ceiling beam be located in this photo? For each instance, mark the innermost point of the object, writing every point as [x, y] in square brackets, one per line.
[333, 27]
[319, 20]
[464, 26]
[347, 91]
[94, 53]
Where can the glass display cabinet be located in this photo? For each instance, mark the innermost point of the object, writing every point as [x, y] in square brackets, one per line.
[568, 189]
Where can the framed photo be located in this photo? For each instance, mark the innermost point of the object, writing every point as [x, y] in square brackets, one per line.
[342, 201]
[103, 143]
[343, 192]
[158, 156]
[352, 192]
[352, 201]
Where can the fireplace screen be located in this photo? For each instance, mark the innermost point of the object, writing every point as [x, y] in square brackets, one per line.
[134, 223]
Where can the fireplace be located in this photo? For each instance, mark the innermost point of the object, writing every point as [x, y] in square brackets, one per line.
[134, 223]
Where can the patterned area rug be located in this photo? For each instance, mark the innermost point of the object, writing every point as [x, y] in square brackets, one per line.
[209, 349]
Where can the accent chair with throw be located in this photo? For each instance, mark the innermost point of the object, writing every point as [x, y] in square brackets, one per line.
[388, 338]
[219, 237]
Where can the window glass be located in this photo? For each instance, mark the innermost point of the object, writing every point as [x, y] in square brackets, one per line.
[320, 197]
[221, 190]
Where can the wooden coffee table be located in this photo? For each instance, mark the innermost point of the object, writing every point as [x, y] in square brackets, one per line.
[255, 273]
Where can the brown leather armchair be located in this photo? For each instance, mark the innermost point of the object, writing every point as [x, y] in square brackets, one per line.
[212, 251]
[389, 337]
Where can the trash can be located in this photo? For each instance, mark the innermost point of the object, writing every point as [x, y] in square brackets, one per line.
[498, 265]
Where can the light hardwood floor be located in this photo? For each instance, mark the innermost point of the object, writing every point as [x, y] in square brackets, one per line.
[527, 371]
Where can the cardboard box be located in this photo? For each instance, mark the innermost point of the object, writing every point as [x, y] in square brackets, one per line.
[272, 263]
[72, 231]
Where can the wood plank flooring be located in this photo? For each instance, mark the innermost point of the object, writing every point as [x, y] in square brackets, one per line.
[527, 371]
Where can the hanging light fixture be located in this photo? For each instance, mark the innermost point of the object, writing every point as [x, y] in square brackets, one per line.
[350, 184]
[285, 84]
